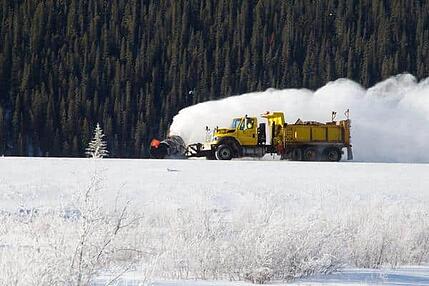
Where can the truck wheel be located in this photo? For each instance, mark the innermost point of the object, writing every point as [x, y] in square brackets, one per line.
[223, 152]
[332, 154]
[296, 154]
[311, 154]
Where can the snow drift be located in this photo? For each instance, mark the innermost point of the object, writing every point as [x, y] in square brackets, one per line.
[390, 121]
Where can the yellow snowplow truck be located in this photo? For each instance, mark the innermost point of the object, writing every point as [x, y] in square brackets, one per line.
[301, 141]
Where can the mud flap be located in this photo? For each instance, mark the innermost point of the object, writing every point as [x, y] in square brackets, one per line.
[349, 153]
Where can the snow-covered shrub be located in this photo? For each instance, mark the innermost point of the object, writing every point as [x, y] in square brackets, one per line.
[260, 275]
[272, 236]
[386, 234]
[52, 249]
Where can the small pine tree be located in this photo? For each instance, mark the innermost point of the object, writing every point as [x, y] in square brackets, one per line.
[97, 148]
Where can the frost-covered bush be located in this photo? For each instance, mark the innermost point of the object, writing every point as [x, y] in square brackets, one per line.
[51, 248]
[269, 240]
[260, 275]
[273, 236]
[389, 235]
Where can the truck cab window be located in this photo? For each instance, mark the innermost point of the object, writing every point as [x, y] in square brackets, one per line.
[250, 123]
[235, 123]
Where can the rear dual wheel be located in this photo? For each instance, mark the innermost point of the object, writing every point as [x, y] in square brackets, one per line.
[332, 154]
[311, 154]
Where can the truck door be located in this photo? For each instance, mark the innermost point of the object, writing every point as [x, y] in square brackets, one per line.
[247, 132]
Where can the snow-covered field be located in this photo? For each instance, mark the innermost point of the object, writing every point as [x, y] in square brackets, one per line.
[65, 220]
[41, 182]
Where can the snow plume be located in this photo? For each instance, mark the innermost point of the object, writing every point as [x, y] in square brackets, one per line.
[390, 121]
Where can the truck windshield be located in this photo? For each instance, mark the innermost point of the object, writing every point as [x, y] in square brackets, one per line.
[235, 123]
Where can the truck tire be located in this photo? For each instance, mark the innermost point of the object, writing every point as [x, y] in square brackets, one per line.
[223, 152]
[311, 154]
[296, 154]
[332, 154]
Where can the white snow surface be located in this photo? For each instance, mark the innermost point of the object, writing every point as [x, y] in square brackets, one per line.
[390, 121]
[393, 197]
[42, 182]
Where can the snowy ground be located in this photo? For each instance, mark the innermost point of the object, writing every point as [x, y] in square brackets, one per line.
[390, 196]
[35, 183]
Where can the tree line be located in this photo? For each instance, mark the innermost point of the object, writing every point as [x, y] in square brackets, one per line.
[133, 64]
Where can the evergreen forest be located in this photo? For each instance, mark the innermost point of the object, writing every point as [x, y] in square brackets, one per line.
[131, 65]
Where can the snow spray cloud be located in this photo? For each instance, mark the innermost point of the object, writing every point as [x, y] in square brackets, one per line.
[390, 121]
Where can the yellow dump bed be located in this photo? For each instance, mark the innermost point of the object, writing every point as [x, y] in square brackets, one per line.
[309, 140]
[307, 131]
[314, 132]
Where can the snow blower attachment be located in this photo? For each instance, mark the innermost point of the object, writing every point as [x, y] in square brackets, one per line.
[171, 148]
[301, 141]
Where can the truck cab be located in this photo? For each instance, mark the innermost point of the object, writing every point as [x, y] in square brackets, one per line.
[243, 135]
[243, 129]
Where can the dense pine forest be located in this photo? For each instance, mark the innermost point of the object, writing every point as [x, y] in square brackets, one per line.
[132, 64]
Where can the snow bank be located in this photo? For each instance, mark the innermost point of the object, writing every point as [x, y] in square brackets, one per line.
[390, 121]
